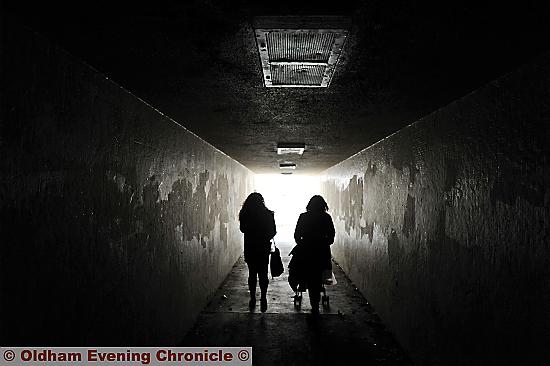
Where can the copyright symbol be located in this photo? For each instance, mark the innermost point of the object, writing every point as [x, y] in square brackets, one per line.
[243, 355]
[9, 355]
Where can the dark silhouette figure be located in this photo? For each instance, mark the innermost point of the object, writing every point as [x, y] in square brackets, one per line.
[258, 226]
[314, 234]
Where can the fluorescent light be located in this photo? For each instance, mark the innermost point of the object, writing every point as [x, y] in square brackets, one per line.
[290, 148]
[287, 166]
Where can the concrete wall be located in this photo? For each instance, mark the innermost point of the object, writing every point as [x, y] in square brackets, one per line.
[444, 226]
[117, 224]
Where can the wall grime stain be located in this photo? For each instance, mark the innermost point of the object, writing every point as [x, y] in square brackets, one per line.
[409, 217]
[454, 225]
[367, 231]
[513, 183]
[451, 173]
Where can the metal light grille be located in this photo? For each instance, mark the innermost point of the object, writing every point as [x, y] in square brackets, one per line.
[299, 46]
[299, 57]
[292, 74]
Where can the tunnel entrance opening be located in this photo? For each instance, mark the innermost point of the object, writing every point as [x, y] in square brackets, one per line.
[288, 196]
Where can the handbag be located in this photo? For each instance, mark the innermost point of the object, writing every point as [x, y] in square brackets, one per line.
[275, 262]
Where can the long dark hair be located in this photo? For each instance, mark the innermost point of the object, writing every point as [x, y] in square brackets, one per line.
[254, 203]
[317, 203]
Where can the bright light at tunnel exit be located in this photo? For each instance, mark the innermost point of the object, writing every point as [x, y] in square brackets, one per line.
[287, 196]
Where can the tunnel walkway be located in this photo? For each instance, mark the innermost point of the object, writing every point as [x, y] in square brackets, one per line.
[348, 332]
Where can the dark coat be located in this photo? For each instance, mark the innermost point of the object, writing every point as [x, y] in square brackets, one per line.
[258, 228]
[314, 234]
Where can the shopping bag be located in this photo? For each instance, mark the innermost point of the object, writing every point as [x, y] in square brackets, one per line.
[276, 263]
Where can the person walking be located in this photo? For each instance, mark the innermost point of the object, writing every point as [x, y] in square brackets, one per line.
[314, 234]
[258, 225]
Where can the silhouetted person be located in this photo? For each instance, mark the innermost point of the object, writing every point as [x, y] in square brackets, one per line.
[258, 226]
[314, 234]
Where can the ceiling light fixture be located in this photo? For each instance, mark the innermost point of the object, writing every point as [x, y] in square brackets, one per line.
[299, 51]
[290, 148]
[287, 166]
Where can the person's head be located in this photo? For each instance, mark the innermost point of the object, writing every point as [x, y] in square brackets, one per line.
[254, 202]
[317, 203]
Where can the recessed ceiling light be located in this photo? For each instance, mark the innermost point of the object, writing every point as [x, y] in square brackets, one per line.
[299, 51]
[287, 166]
[290, 148]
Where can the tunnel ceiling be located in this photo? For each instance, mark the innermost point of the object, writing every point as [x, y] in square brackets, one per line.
[198, 62]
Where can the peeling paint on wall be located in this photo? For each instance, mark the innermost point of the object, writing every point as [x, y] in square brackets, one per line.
[445, 226]
[117, 223]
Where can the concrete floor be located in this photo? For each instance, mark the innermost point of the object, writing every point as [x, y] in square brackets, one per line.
[349, 331]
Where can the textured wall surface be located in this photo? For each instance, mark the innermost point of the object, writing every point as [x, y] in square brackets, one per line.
[117, 223]
[445, 226]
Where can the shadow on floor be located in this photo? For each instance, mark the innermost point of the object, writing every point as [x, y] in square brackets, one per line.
[347, 332]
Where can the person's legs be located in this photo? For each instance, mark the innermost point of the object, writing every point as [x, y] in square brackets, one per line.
[264, 282]
[252, 274]
[314, 291]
